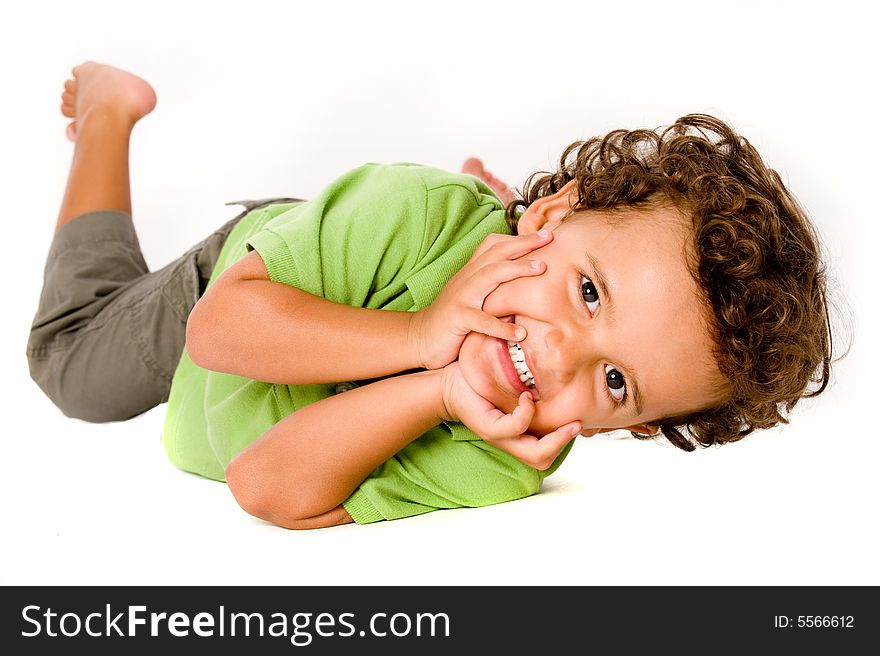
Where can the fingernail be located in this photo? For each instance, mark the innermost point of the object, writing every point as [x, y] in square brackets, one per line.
[544, 233]
[520, 333]
[575, 429]
[535, 264]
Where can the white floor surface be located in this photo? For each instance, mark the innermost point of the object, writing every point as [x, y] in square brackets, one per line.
[263, 99]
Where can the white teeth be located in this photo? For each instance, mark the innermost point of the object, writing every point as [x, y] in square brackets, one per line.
[519, 363]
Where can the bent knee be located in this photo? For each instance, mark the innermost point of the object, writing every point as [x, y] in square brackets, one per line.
[95, 397]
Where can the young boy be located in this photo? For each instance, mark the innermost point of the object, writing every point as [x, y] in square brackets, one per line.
[403, 342]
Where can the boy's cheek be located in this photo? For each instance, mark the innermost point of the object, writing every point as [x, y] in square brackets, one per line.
[551, 413]
[539, 427]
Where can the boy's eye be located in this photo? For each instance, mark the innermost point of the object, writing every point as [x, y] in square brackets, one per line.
[591, 296]
[615, 382]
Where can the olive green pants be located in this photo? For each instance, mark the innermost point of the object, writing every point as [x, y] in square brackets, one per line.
[108, 333]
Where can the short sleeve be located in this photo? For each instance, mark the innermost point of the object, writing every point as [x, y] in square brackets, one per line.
[436, 472]
[353, 244]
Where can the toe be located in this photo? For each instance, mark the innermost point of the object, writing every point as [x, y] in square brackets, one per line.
[473, 166]
[76, 70]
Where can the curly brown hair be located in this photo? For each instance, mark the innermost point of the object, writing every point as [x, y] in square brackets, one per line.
[756, 256]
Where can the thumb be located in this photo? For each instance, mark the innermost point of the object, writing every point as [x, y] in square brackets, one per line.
[522, 414]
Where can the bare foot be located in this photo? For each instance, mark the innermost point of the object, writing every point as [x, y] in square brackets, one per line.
[101, 87]
[474, 166]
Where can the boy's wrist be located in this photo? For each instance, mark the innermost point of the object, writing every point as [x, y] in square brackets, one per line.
[436, 379]
[413, 329]
[447, 413]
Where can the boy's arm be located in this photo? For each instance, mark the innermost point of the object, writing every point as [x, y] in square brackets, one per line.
[248, 325]
[251, 326]
[335, 517]
[313, 459]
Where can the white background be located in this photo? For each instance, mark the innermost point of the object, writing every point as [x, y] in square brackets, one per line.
[260, 99]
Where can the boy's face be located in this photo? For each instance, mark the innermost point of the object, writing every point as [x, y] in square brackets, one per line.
[633, 352]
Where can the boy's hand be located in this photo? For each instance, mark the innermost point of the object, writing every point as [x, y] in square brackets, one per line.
[438, 330]
[506, 431]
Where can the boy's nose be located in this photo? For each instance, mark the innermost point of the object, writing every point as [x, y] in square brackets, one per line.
[567, 353]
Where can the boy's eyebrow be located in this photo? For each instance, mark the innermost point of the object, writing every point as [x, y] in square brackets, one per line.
[637, 397]
[607, 299]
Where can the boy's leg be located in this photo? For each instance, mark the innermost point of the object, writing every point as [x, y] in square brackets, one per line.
[105, 103]
[108, 334]
[94, 257]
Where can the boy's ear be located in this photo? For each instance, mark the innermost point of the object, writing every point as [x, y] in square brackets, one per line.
[548, 211]
[644, 429]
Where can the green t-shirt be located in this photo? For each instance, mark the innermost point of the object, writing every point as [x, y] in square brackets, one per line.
[381, 236]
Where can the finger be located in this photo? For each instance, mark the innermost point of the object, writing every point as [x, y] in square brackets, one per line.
[540, 453]
[522, 414]
[483, 322]
[505, 270]
[514, 247]
[488, 241]
[548, 447]
[504, 426]
[485, 280]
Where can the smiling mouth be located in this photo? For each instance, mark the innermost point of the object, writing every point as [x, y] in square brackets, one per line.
[519, 364]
